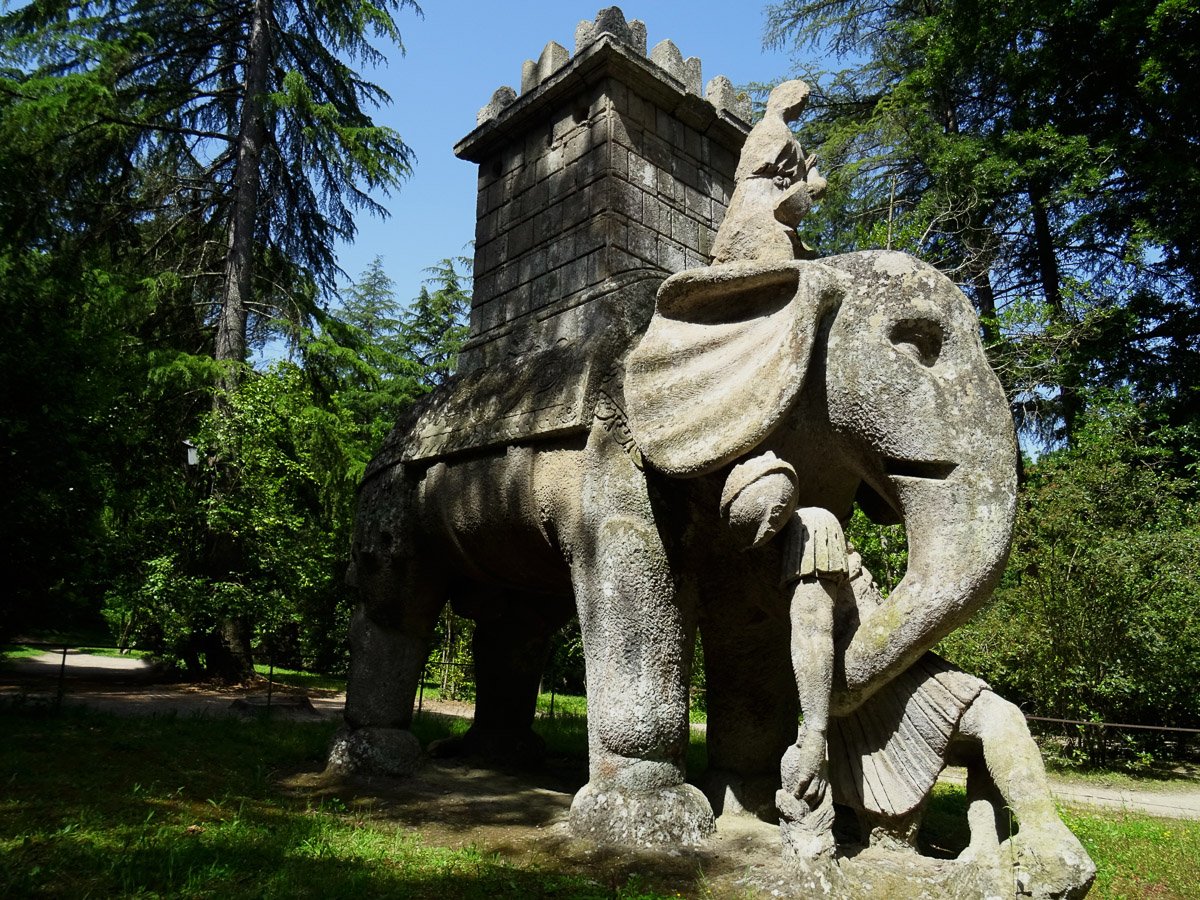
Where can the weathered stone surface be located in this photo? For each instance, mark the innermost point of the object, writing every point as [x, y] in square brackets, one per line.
[554, 57]
[686, 71]
[635, 820]
[375, 751]
[721, 364]
[776, 186]
[608, 182]
[657, 456]
[612, 21]
[879, 872]
[721, 93]
[758, 497]
[819, 548]
[502, 98]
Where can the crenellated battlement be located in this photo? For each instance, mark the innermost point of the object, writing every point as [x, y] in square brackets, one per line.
[611, 22]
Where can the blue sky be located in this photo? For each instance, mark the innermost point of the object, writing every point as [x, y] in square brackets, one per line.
[458, 54]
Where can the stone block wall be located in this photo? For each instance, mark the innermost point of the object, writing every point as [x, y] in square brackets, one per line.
[608, 172]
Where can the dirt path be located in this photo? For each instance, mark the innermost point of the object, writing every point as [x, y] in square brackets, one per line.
[125, 686]
[1167, 802]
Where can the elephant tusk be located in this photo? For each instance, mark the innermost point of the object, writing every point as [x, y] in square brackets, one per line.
[934, 469]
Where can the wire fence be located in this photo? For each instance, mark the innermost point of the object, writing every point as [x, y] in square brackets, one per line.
[1105, 744]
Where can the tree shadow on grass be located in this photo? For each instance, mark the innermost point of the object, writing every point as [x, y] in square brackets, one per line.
[262, 855]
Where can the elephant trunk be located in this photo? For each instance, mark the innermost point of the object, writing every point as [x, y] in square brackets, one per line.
[959, 526]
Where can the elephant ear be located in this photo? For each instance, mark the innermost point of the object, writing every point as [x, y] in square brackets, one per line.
[724, 360]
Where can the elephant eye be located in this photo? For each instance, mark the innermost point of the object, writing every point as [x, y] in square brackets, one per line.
[921, 337]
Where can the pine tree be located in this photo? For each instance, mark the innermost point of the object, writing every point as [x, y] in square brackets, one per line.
[436, 324]
[358, 358]
[223, 149]
[1034, 151]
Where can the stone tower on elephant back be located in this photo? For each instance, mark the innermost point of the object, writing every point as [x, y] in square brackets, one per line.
[609, 171]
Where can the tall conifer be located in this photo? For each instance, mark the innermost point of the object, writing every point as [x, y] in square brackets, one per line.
[236, 144]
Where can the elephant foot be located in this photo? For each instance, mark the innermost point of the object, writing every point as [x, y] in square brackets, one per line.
[1048, 863]
[374, 751]
[508, 747]
[741, 795]
[674, 816]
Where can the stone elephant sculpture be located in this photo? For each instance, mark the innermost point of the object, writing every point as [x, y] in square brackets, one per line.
[863, 373]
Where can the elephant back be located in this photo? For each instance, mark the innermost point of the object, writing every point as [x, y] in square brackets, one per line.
[539, 394]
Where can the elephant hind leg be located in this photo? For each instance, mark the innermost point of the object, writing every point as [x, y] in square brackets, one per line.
[510, 648]
[390, 633]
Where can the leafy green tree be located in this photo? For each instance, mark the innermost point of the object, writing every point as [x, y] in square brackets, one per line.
[245, 117]
[883, 548]
[1034, 151]
[96, 397]
[1095, 618]
[206, 157]
[288, 502]
[301, 433]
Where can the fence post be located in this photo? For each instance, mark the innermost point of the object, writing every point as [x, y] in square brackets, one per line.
[62, 680]
[421, 689]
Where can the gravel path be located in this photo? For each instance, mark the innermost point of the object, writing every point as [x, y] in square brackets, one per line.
[125, 686]
[1169, 802]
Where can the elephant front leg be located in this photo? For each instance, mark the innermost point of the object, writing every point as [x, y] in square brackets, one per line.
[637, 645]
[385, 665]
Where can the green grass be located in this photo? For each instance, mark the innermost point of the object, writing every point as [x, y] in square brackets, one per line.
[310, 681]
[1140, 856]
[92, 805]
[565, 705]
[98, 806]
[19, 651]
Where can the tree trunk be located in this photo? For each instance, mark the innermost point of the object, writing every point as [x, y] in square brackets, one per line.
[985, 303]
[1051, 281]
[239, 261]
[229, 655]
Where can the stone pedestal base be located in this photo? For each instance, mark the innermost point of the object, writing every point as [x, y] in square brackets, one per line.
[374, 751]
[1015, 871]
[668, 817]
